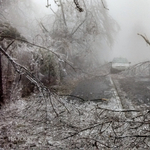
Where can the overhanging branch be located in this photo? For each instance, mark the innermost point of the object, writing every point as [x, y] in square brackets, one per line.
[146, 40]
[32, 44]
[104, 5]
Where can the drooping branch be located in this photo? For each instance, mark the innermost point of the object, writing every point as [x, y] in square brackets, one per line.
[104, 5]
[122, 110]
[63, 14]
[25, 41]
[48, 4]
[78, 26]
[132, 136]
[21, 69]
[146, 40]
[78, 6]
[39, 46]
[24, 71]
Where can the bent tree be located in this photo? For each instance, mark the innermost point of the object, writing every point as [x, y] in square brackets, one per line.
[80, 36]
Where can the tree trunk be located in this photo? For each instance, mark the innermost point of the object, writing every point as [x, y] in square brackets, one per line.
[1, 82]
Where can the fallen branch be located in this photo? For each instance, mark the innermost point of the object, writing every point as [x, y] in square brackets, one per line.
[122, 110]
[23, 70]
[132, 136]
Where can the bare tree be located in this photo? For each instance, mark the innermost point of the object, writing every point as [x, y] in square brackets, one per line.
[76, 34]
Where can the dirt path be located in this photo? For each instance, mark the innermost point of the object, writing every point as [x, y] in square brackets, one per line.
[93, 89]
[126, 92]
[97, 88]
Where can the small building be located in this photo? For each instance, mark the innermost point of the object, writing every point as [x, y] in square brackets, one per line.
[119, 64]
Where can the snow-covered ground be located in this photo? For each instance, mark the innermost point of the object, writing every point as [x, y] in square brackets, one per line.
[52, 122]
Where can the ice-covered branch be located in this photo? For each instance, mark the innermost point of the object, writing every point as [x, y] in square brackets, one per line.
[146, 40]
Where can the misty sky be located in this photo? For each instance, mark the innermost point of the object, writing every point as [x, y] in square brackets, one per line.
[133, 16]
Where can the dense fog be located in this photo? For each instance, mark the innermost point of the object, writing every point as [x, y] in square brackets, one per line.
[27, 17]
[133, 18]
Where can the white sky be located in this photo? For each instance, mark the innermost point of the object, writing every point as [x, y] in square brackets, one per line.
[41, 6]
[133, 16]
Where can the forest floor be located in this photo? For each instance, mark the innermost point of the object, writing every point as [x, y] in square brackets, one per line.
[43, 122]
